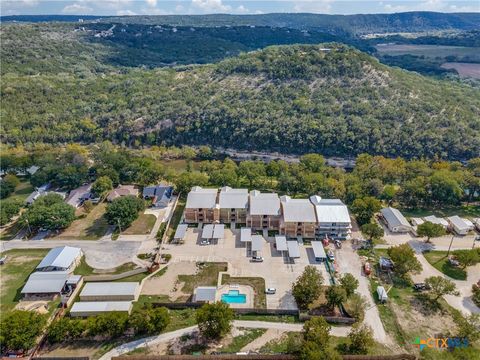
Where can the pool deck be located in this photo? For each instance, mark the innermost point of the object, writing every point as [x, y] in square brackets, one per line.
[243, 289]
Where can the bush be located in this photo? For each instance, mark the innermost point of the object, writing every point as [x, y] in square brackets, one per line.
[19, 330]
[214, 320]
[308, 287]
[8, 210]
[111, 324]
[124, 210]
[149, 320]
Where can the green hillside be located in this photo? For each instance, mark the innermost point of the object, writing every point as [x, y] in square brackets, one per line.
[294, 99]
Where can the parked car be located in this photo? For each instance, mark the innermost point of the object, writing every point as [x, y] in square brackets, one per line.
[257, 259]
[270, 291]
[367, 269]
[420, 287]
[205, 242]
[453, 262]
[338, 244]
[331, 255]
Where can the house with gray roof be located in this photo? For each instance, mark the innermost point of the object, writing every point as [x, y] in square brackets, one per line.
[233, 204]
[395, 221]
[298, 218]
[264, 211]
[93, 308]
[201, 206]
[110, 291]
[159, 195]
[459, 225]
[77, 196]
[333, 219]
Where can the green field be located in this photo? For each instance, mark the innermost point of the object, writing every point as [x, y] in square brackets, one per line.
[142, 225]
[439, 260]
[430, 51]
[15, 272]
[206, 276]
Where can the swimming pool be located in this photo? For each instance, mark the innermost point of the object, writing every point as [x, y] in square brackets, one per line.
[234, 297]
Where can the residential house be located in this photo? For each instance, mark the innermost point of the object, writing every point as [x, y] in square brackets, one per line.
[160, 195]
[79, 195]
[395, 221]
[233, 204]
[332, 217]
[122, 190]
[459, 225]
[42, 190]
[299, 218]
[201, 206]
[436, 220]
[264, 212]
[50, 284]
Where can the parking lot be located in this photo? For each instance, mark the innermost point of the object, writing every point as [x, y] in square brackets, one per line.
[277, 269]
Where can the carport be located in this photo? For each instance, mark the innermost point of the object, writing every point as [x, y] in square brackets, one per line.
[319, 251]
[281, 243]
[218, 231]
[207, 232]
[180, 232]
[293, 249]
[257, 243]
[245, 235]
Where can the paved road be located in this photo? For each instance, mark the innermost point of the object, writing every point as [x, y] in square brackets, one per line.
[153, 340]
[349, 262]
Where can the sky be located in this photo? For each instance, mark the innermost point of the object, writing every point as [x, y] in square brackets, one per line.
[176, 7]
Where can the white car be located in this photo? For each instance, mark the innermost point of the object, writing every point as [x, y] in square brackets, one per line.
[331, 255]
[270, 291]
[205, 242]
[257, 259]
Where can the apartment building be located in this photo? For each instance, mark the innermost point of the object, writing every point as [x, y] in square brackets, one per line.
[264, 212]
[333, 219]
[233, 204]
[201, 206]
[299, 218]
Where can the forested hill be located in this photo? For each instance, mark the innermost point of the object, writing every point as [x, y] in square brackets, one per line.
[355, 24]
[329, 99]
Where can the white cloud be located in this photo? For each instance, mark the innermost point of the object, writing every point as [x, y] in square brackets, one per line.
[313, 6]
[108, 4]
[211, 6]
[151, 3]
[126, 13]
[76, 9]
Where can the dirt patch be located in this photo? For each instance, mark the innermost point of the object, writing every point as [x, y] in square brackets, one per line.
[21, 259]
[464, 69]
[168, 284]
[75, 349]
[40, 307]
[257, 344]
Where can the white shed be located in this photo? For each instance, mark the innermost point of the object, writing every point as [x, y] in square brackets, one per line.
[382, 294]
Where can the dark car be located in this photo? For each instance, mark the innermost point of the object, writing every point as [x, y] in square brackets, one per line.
[420, 287]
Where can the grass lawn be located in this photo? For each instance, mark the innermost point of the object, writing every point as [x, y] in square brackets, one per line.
[23, 189]
[468, 211]
[91, 226]
[142, 225]
[177, 215]
[238, 342]
[207, 275]
[258, 285]
[439, 260]
[10, 232]
[269, 318]
[134, 278]
[84, 269]
[18, 267]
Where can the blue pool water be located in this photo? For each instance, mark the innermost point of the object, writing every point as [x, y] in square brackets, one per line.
[234, 297]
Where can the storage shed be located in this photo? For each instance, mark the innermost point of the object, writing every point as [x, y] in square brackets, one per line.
[382, 294]
[319, 251]
[110, 291]
[92, 308]
[395, 221]
[63, 258]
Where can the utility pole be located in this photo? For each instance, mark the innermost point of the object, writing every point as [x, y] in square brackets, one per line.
[451, 241]
[119, 226]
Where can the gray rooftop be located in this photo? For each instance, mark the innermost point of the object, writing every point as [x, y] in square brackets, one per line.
[199, 198]
[245, 235]
[330, 210]
[218, 231]
[205, 293]
[109, 288]
[394, 217]
[207, 232]
[257, 242]
[61, 257]
[100, 306]
[281, 242]
[181, 231]
[293, 249]
[233, 198]
[297, 210]
[318, 250]
[459, 223]
[436, 220]
[45, 282]
[264, 203]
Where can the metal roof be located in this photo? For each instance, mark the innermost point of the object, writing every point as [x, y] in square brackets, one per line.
[281, 242]
[436, 220]
[207, 232]
[297, 210]
[257, 242]
[293, 249]
[199, 198]
[417, 221]
[45, 282]
[233, 198]
[181, 231]
[76, 196]
[205, 293]
[245, 235]
[109, 288]
[100, 306]
[318, 250]
[61, 257]
[459, 223]
[330, 210]
[394, 217]
[218, 231]
[264, 203]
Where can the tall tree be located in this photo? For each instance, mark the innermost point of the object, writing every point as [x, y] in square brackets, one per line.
[439, 286]
[429, 230]
[365, 208]
[308, 287]
[19, 330]
[214, 320]
[404, 260]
